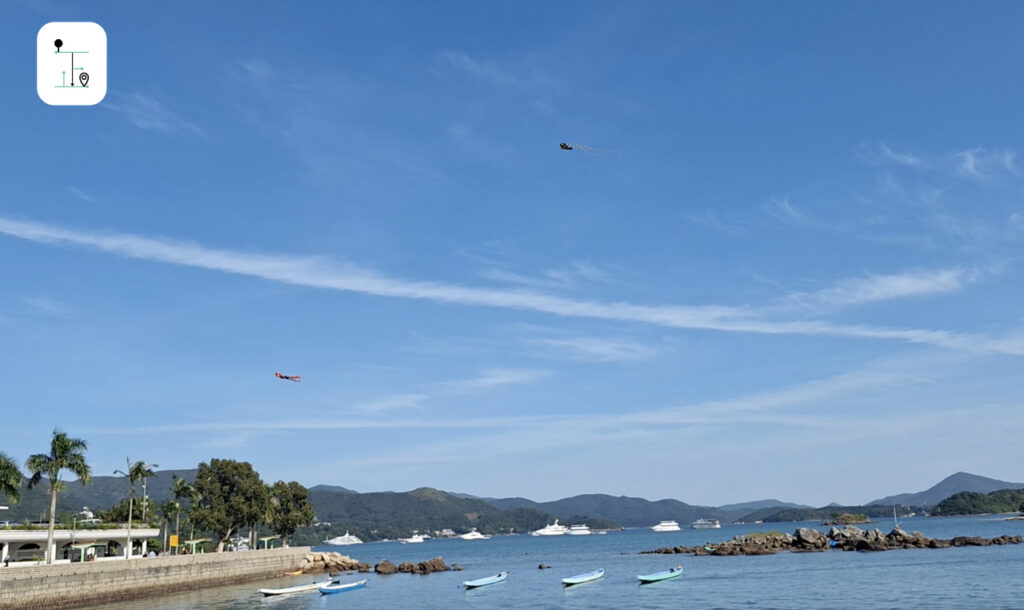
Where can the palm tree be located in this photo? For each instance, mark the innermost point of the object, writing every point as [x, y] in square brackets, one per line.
[65, 454]
[136, 472]
[10, 478]
[167, 508]
[181, 489]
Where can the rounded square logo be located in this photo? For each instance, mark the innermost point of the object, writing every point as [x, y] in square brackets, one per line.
[71, 63]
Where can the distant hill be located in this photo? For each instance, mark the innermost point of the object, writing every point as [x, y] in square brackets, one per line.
[389, 514]
[759, 504]
[624, 510]
[333, 488]
[972, 503]
[102, 493]
[961, 481]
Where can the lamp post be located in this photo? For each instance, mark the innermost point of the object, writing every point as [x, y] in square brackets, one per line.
[144, 479]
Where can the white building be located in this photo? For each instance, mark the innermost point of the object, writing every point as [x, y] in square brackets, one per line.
[73, 545]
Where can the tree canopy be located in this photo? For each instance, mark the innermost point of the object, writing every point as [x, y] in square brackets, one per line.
[291, 509]
[231, 496]
[65, 454]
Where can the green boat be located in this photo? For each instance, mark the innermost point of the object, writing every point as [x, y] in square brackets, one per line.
[655, 577]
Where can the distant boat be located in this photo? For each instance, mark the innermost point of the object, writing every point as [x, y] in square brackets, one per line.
[474, 535]
[342, 588]
[579, 579]
[579, 530]
[345, 540]
[655, 577]
[551, 530]
[483, 582]
[414, 539]
[706, 524]
[296, 589]
[666, 526]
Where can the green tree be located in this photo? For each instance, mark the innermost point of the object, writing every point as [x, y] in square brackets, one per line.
[167, 509]
[65, 454]
[182, 490]
[139, 471]
[232, 496]
[10, 478]
[292, 509]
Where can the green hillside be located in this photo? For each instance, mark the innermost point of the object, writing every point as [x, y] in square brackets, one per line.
[973, 503]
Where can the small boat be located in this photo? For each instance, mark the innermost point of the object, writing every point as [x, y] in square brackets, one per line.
[551, 530]
[474, 535]
[345, 540]
[414, 539]
[655, 577]
[341, 588]
[296, 589]
[706, 524]
[295, 573]
[666, 526]
[579, 579]
[579, 530]
[483, 582]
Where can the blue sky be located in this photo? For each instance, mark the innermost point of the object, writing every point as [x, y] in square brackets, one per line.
[798, 277]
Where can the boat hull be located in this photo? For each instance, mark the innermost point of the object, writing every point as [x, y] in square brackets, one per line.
[659, 576]
[483, 582]
[296, 589]
[342, 588]
[579, 579]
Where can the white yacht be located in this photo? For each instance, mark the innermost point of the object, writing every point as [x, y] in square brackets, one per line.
[579, 530]
[474, 535]
[551, 530]
[345, 540]
[706, 524]
[416, 538]
[666, 526]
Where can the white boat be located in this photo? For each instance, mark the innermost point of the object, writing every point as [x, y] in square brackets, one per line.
[414, 539]
[342, 588]
[297, 589]
[579, 530]
[345, 540]
[579, 579]
[666, 526]
[551, 530]
[474, 535]
[483, 582]
[706, 524]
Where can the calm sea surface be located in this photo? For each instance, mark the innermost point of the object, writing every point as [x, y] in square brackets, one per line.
[981, 577]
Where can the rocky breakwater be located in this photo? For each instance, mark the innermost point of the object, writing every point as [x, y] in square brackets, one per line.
[436, 564]
[849, 538]
[331, 563]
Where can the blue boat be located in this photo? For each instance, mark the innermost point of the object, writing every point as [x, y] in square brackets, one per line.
[655, 577]
[341, 588]
[579, 579]
[483, 582]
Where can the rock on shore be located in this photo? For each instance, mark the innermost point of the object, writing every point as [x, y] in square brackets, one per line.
[436, 564]
[849, 538]
[331, 562]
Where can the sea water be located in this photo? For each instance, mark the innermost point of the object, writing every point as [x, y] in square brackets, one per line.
[967, 577]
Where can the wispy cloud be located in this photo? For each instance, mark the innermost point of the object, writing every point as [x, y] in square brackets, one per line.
[979, 163]
[48, 306]
[392, 403]
[597, 350]
[487, 71]
[494, 378]
[879, 152]
[874, 288]
[81, 195]
[315, 272]
[146, 112]
[710, 219]
[568, 276]
[781, 208]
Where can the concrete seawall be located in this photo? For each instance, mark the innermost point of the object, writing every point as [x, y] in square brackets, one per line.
[80, 584]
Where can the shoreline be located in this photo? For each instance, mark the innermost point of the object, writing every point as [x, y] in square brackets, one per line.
[91, 583]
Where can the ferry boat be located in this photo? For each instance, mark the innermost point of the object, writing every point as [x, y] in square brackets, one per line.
[551, 530]
[345, 540]
[579, 530]
[666, 526]
[706, 524]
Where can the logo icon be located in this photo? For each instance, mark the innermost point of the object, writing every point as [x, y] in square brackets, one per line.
[71, 63]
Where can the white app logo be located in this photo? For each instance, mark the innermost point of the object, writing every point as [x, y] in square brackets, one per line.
[71, 63]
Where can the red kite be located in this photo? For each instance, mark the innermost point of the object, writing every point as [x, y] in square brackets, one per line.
[294, 378]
